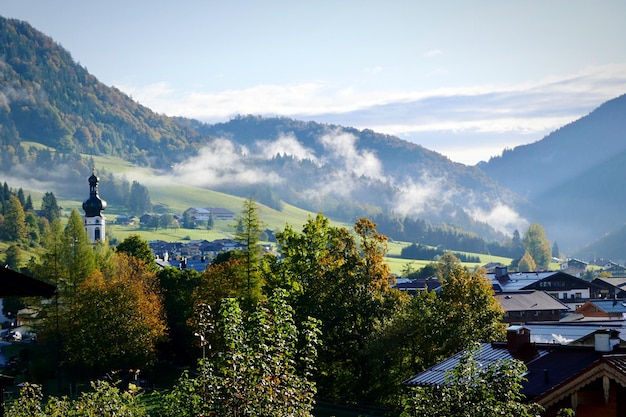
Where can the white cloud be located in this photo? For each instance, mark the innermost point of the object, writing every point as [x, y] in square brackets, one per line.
[286, 145]
[360, 163]
[219, 164]
[529, 108]
[415, 198]
[501, 217]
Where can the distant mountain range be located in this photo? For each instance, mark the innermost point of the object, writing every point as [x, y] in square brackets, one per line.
[569, 182]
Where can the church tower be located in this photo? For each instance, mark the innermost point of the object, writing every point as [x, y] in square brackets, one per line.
[93, 207]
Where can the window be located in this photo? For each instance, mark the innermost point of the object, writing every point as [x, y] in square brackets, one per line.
[578, 295]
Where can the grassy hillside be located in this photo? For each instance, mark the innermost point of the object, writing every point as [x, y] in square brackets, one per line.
[169, 197]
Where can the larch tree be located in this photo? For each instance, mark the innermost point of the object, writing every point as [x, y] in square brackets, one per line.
[78, 258]
[537, 245]
[15, 229]
[527, 263]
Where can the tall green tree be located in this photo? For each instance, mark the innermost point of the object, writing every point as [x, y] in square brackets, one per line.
[139, 199]
[537, 245]
[263, 367]
[556, 253]
[248, 236]
[78, 258]
[432, 326]
[138, 248]
[340, 278]
[178, 286]
[49, 207]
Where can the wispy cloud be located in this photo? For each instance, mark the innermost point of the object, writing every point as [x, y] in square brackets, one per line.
[531, 108]
[501, 217]
[360, 163]
[433, 53]
[286, 145]
[222, 163]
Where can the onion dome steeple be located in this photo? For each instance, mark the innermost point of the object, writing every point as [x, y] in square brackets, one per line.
[94, 205]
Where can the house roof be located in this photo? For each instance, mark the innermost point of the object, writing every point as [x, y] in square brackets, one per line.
[526, 280]
[609, 306]
[569, 332]
[553, 373]
[418, 284]
[489, 353]
[617, 282]
[528, 300]
[556, 368]
[15, 284]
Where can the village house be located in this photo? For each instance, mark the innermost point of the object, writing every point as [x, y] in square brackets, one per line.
[615, 269]
[574, 267]
[611, 287]
[413, 286]
[588, 376]
[559, 284]
[530, 305]
[603, 310]
[205, 213]
[125, 220]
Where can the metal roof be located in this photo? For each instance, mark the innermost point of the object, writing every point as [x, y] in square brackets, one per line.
[610, 306]
[488, 354]
[559, 332]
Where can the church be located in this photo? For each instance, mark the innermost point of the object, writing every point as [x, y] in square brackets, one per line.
[93, 207]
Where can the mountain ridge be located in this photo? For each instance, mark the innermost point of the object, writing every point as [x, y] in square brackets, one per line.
[46, 97]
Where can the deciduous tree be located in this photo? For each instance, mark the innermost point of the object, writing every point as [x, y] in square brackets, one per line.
[537, 245]
[339, 278]
[138, 248]
[118, 319]
[527, 263]
[264, 366]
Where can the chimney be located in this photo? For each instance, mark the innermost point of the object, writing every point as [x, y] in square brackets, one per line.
[517, 338]
[605, 340]
[501, 272]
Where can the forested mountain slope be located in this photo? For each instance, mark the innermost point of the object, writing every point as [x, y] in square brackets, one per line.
[574, 177]
[47, 98]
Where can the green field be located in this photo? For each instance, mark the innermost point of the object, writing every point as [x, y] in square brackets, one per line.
[174, 198]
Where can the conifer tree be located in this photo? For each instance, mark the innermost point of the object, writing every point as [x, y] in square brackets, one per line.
[15, 221]
[248, 236]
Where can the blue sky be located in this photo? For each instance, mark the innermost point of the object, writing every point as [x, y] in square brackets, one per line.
[464, 78]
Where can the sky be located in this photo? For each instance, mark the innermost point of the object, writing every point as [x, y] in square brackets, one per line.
[467, 79]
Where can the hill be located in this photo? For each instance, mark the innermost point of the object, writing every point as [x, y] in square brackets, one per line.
[50, 100]
[58, 122]
[573, 177]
